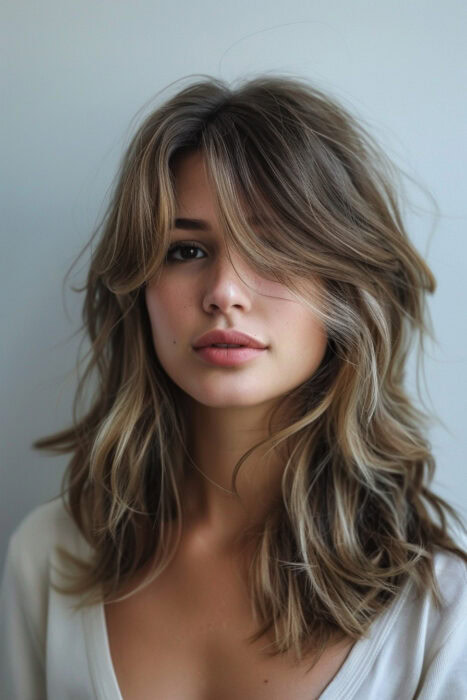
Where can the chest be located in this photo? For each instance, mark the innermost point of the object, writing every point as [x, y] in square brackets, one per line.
[184, 637]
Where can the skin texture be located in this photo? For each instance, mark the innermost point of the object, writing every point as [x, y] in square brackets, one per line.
[228, 407]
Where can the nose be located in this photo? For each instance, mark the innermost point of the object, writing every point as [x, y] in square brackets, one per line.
[224, 287]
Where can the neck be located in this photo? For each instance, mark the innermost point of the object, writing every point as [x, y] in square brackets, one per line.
[218, 438]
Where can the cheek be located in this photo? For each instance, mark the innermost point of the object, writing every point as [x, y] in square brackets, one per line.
[319, 340]
[159, 309]
[306, 340]
[305, 328]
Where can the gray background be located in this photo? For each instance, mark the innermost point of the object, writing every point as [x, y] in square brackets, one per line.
[79, 77]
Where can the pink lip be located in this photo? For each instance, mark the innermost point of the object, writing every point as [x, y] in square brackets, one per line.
[231, 337]
[228, 357]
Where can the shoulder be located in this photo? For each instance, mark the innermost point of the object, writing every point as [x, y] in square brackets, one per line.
[451, 572]
[25, 595]
[431, 624]
[451, 577]
[35, 539]
[416, 648]
[417, 624]
[441, 631]
[46, 522]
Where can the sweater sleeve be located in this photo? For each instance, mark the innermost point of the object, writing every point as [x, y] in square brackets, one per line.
[22, 673]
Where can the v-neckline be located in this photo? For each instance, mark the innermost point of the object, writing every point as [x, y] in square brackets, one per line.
[344, 684]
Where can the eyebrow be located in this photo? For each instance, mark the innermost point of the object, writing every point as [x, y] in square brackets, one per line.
[201, 225]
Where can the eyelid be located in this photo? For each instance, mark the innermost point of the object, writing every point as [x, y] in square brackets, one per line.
[193, 244]
[184, 244]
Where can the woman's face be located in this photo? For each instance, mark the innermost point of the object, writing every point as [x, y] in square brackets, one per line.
[199, 290]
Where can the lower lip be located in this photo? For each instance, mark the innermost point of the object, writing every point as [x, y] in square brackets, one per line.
[228, 357]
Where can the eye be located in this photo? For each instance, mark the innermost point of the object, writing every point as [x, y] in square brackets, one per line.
[182, 247]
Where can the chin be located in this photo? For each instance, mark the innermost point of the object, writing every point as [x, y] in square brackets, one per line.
[222, 398]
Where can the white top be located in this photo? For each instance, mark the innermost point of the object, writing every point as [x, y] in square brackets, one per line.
[49, 651]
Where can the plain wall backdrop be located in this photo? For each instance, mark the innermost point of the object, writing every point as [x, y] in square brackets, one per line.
[75, 77]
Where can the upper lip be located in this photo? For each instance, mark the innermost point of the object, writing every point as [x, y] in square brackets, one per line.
[227, 337]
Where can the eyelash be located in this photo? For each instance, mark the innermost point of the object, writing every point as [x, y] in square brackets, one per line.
[177, 246]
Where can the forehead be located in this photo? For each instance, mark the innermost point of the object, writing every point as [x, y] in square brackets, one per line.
[190, 224]
[189, 168]
[194, 193]
[196, 196]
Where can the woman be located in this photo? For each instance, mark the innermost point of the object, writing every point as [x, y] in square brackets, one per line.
[246, 512]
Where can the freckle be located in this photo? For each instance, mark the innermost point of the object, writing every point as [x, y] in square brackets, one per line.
[265, 680]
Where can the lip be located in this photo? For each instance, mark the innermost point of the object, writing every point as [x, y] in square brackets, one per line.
[231, 337]
[228, 357]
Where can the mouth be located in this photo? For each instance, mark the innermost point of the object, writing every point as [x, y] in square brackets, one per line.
[228, 356]
[234, 338]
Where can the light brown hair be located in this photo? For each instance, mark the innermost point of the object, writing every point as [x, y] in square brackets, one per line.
[357, 517]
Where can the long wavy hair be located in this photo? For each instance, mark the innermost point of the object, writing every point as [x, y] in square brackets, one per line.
[356, 518]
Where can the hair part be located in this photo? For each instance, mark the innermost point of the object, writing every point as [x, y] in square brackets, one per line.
[357, 518]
